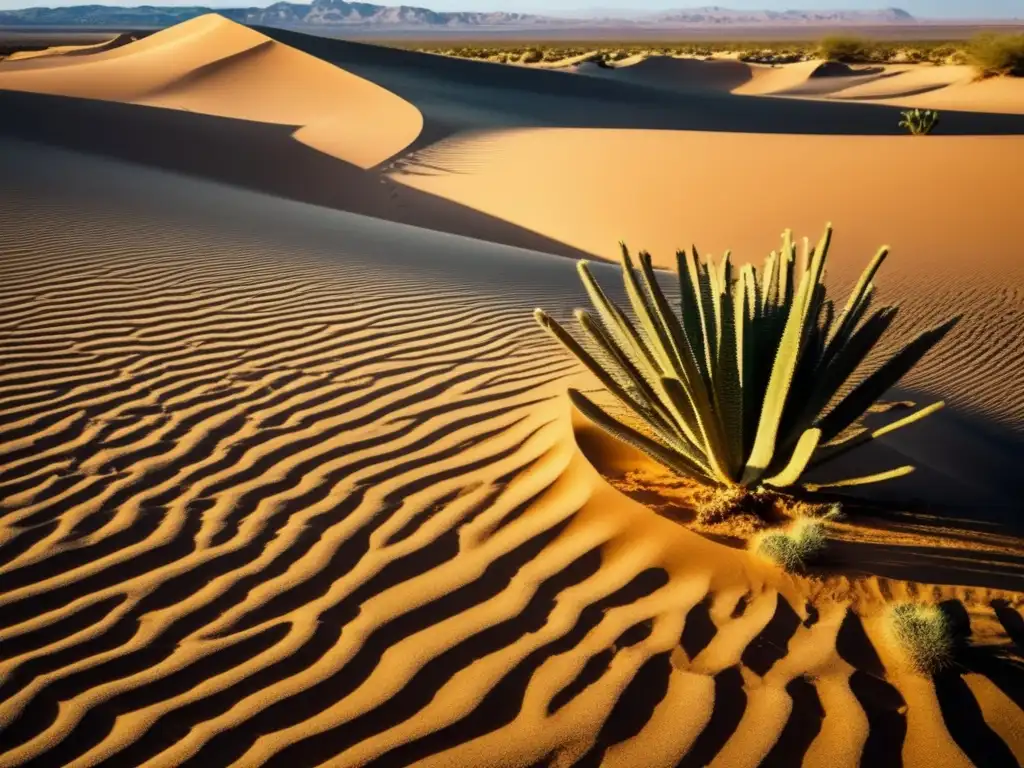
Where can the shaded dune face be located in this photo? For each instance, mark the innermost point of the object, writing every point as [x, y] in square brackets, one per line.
[280, 488]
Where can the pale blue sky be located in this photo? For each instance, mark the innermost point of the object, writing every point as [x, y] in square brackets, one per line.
[974, 9]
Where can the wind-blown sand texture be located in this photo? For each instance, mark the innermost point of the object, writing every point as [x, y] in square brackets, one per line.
[288, 475]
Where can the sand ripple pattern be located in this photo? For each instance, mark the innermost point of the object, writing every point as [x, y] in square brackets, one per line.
[260, 508]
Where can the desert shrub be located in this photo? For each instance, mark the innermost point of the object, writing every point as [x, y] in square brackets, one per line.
[746, 385]
[882, 53]
[796, 546]
[923, 634]
[844, 48]
[994, 54]
[532, 56]
[942, 53]
[920, 122]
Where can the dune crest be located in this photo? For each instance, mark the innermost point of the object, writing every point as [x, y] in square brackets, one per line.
[925, 86]
[678, 73]
[73, 50]
[213, 66]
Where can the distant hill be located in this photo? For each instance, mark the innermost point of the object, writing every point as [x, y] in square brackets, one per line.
[336, 13]
[718, 15]
[318, 13]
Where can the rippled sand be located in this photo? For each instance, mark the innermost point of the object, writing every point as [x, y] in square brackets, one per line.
[285, 484]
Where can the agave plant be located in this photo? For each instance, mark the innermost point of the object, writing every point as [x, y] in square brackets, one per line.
[747, 385]
[920, 122]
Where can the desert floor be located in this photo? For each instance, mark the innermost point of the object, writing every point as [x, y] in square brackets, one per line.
[288, 475]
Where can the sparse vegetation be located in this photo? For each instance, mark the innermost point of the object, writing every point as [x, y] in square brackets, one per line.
[845, 48]
[747, 386]
[992, 49]
[994, 55]
[798, 545]
[920, 122]
[923, 634]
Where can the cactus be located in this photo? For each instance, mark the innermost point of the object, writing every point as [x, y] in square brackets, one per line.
[920, 122]
[741, 388]
[800, 544]
[924, 636]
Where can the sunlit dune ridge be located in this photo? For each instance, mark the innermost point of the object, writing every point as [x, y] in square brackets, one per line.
[216, 67]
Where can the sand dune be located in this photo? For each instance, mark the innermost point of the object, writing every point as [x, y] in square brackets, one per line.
[283, 484]
[916, 89]
[679, 73]
[215, 67]
[734, 76]
[315, 498]
[925, 86]
[723, 190]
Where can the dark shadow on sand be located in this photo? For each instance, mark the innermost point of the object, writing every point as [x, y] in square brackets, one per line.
[255, 156]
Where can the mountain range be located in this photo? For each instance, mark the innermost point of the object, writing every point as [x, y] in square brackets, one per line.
[343, 13]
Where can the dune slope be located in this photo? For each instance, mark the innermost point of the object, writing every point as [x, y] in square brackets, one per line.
[295, 487]
[662, 190]
[955, 88]
[216, 67]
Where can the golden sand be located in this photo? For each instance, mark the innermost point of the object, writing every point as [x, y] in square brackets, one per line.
[288, 475]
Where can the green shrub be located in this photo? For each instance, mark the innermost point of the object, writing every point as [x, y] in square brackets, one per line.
[747, 384]
[923, 634]
[994, 54]
[920, 122]
[796, 546]
[844, 48]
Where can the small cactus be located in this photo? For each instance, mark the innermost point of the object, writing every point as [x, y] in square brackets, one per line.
[798, 545]
[920, 122]
[923, 635]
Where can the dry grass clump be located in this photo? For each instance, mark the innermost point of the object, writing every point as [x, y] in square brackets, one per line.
[923, 634]
[716, 504]
[995, 55]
